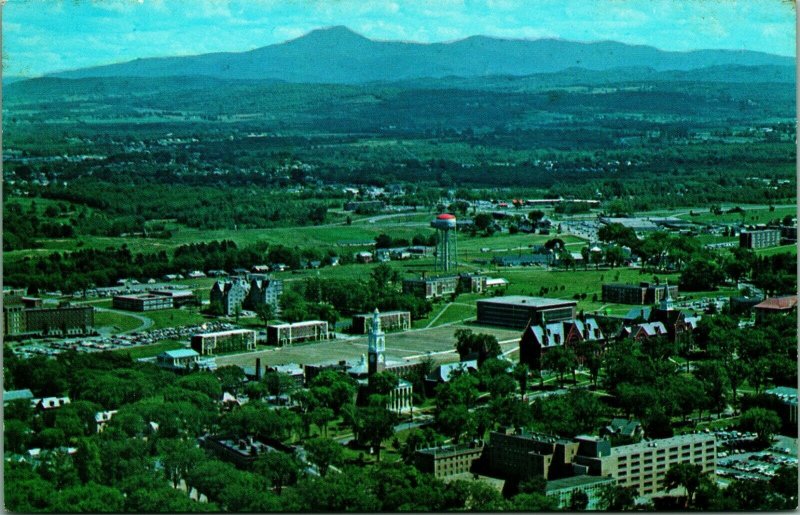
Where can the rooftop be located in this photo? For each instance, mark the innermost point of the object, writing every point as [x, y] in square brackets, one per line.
[226, 333]
[525, 301]
[779, 303]
[181, 353]
[663, 442]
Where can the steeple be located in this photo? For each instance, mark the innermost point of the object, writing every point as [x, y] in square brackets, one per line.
[666, 303]
[376, 345]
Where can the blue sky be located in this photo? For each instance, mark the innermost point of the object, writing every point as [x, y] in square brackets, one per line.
[41, 36]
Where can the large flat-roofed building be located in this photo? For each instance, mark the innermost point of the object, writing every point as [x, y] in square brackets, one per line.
[448, 460]
[224, 341]
[644, 465]
[390, 321]
[641, 294]
[525, 455]
[142, 302]
[519, 311]
[64, 320]
[760, 239]
[286, 334]
[179, 297]
[431, 287]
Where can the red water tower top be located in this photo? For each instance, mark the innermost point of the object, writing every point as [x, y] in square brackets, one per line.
[445, 216]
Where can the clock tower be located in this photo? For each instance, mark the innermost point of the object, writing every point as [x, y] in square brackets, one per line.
[377, 345]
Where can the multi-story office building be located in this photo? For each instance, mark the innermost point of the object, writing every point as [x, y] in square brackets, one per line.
[142, 302]
[224, 341]
[448, 460]
[644, 465]
[431, 287]
[760, 239]
[519, 311]
[64, 320]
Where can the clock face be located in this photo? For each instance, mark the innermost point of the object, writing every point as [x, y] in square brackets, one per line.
[372, 358]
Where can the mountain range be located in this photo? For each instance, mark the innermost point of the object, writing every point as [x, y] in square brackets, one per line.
[339, 55]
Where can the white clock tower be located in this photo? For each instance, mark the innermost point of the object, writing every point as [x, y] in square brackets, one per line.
[377, 345]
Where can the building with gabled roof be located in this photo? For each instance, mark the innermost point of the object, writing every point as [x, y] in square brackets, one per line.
[537, 339]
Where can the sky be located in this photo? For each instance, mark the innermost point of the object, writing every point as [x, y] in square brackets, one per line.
[42, 36]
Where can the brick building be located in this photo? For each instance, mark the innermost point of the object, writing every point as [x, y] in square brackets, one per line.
[64, 320]
[537, 340]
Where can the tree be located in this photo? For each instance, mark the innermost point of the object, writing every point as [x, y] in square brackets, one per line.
[686, 475]
[87, 461]
[761, 421]
[536, 216]
[178, 457]
[265, 312]
[579, 501]
[614, 256]
[454, 421]
[483, 221]
[701, 275]
[230, 378]
[17, 435]
[617, 498]
[585, 255]
[715, 381]
[323, 453]
[279, 468]
[560, 360]
[375, 424]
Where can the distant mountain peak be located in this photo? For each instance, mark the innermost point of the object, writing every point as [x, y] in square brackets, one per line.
[335, 32]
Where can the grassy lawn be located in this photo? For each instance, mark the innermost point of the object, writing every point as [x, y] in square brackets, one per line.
[174, 318]
[456, 312]
[790, 249]
[118, 321]
[147, 351]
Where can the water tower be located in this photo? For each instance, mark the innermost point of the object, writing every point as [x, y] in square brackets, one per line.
[446, 249]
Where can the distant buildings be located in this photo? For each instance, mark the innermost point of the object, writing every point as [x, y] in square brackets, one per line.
[365, 206]
[787, 400]
[518, 311]
[760, 239]
[287, 334]
[27, 317]
[644, 293]
[142, 302]
[224, 341]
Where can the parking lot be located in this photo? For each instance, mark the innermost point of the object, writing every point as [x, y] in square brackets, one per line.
[736, 461]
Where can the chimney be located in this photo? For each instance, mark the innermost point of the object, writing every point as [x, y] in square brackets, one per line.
[258, 369]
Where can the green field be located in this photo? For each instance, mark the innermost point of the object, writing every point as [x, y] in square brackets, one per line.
[754, 214]
[120, 322]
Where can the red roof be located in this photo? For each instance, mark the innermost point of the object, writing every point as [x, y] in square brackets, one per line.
[779, 303]
[445, 216]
